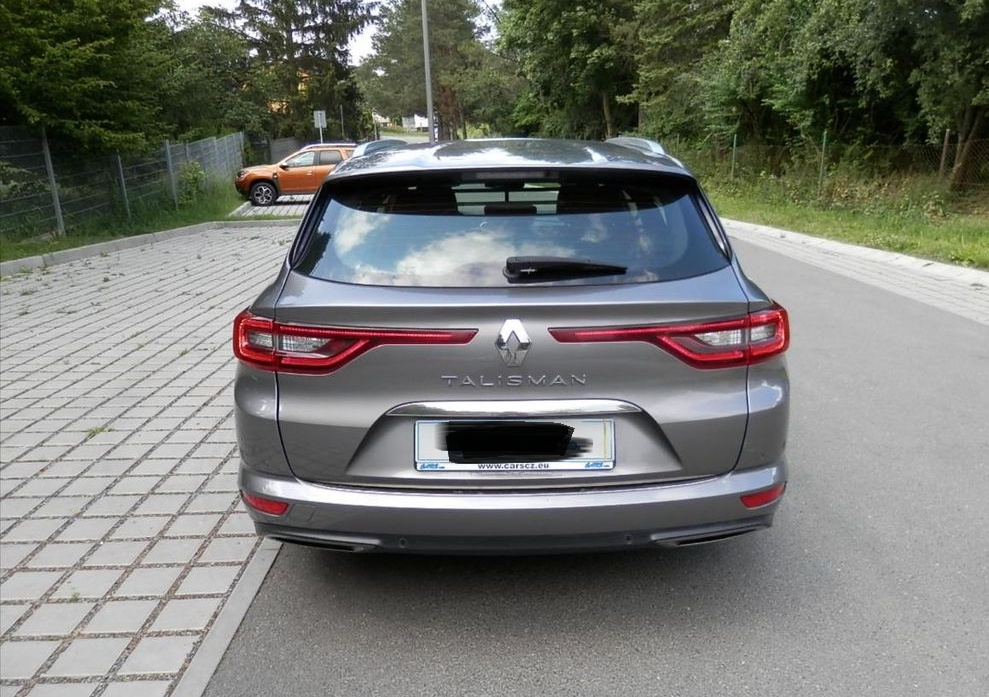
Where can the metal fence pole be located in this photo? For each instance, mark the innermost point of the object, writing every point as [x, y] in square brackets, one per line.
[734, 149]
[171, 173]
[59, 222]
[429, 74]
[123, 184]
[944, 154]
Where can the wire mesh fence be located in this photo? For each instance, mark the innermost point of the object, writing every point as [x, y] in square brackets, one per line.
[49, 188]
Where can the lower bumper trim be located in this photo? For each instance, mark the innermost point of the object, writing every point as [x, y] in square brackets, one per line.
[357, 520]
[540, 544]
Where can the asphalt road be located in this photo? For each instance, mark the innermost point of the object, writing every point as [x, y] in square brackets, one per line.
[874, 581]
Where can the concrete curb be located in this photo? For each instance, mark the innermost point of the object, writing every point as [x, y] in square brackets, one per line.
[205, 661]
[936, 268]
[13, 266]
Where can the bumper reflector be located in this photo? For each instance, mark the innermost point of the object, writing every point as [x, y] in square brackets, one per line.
[259, 503]
[763, 498]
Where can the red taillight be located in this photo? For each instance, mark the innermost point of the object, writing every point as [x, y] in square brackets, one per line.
[762, 498]
[259, 503]
[296, 348]
[721, 344]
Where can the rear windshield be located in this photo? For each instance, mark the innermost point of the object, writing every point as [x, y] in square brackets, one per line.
[461, 233]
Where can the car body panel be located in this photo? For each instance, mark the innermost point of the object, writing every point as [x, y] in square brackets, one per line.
[357, 446]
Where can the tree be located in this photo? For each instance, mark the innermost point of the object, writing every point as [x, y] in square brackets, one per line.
[301, 50]
[577, 58]
[792, 69]
[672, 38]
[757, 81]
[952, 76]
[211, 86]
[81, 68]
[489, 88]
[470, 83]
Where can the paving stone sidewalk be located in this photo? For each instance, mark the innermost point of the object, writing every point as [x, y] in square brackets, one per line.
[121, 531]
[284, 207]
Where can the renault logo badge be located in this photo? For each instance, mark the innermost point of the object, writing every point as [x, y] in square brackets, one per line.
[513, 342]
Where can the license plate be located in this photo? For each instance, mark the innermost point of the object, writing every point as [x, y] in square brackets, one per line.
[592, 448]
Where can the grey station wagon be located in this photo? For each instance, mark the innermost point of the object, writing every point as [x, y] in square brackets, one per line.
[511, 346]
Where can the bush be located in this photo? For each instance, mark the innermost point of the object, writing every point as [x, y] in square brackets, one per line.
[192, 181]
[851, 184]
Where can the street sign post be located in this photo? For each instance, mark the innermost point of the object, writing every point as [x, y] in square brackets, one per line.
[319, 120]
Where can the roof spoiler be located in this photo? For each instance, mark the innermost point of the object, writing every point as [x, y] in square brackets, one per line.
[644, 145]
[651, 147]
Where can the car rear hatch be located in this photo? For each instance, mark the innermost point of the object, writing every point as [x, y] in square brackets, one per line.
[423, 334]
[362, 423]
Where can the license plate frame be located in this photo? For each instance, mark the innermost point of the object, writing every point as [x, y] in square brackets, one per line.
[428, 457]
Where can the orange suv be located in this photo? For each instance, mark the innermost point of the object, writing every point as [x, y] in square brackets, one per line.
[300, 173]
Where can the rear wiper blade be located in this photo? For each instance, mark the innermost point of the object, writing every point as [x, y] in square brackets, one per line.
[537, 269]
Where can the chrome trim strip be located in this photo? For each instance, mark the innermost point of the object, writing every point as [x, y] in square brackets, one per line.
[514, 408]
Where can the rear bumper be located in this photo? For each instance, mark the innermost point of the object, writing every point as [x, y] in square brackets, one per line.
[354, 519]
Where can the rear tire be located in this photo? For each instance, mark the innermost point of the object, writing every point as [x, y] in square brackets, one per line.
[263, 194]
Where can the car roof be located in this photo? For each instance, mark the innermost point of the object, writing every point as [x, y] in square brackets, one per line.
[314, 146]
[509, 153]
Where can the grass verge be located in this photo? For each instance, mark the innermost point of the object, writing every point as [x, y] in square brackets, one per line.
[215, 202]
[952, 237]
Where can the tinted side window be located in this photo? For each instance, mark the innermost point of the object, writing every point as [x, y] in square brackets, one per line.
[330, 157]
[459, 234]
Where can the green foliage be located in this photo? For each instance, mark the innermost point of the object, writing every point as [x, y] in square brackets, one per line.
[952, 76]
[218, 199]
[488, 89]
[17, 182]
[81, 68]
[393, 76]
[873, 72]
[881, 219]
[577, 59]
[470, 83]
[301, 58]
[191, 182]
[211, 86]
[776, 78]
[672, 38]
[122, 74]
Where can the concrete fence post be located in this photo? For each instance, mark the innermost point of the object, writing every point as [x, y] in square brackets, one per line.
[123, 184]
[52, 183]
[171, 173]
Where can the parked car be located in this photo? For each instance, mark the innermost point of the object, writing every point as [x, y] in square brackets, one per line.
[302, 172]
[510, 346]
